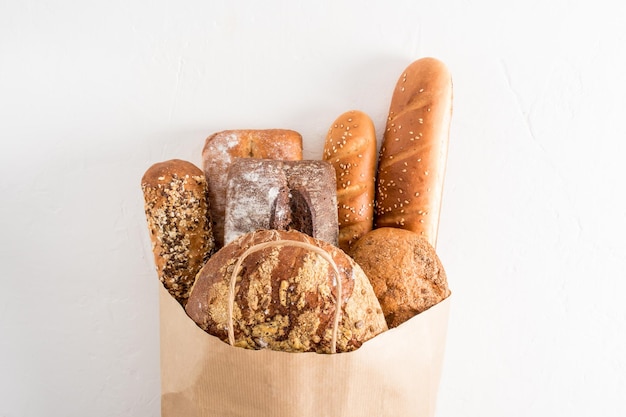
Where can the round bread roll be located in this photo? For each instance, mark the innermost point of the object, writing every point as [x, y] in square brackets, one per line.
[278, 290]
[404, 270]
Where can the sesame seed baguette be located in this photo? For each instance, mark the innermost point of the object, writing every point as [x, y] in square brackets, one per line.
[412, 158]
[176, 206]
[350, 147]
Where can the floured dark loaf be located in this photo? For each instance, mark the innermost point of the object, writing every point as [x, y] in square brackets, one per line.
[222, 148]
[281, 195]
[280, 290]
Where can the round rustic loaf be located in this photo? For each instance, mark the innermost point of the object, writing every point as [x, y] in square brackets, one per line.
[404, 270]
[284, 295]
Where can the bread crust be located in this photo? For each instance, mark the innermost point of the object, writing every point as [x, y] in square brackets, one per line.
[350, 146]
[297, 195]
[406, 273]
[176, 207]
[220, 150]
[285, 297]
[412, 158]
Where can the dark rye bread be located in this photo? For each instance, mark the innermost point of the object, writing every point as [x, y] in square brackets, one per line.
[222, 148]
[281, 195]
[404, 270]
[176, 207]
[285, 296]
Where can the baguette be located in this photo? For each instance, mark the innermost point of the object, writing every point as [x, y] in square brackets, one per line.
[176, 207]
[350, 147]
[412, 158]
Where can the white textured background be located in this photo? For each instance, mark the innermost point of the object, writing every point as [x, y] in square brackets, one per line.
[534, 218]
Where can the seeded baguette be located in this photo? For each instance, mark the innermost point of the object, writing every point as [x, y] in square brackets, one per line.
[176, 207]
[350, 147]
[412, 159]
[222, 148]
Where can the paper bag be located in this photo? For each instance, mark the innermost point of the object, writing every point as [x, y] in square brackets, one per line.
[395, 374]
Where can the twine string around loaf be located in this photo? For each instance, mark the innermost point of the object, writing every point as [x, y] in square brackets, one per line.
[284, 242]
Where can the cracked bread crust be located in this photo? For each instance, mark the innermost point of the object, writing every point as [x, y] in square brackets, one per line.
[406, 273]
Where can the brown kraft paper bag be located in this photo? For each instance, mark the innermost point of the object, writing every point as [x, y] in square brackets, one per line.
[395, 374]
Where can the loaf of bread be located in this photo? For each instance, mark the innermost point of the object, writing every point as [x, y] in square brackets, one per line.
[412, 159]
[221, 149]
[281, 195]
[284, 290]
[350, 147]
[406, 273]
[176, 207]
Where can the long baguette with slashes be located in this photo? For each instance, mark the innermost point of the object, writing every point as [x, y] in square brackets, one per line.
[412, 158]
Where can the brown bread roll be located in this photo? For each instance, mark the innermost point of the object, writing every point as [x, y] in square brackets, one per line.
[284, 295]
[350, 147]
[412, 159]
[175, 197]
[404, 270]
[221, 149]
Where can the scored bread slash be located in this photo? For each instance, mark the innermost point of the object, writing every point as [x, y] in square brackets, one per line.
[222, 148]
[412, 158]
[177, 212]
[281, 195]
[350, 147]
